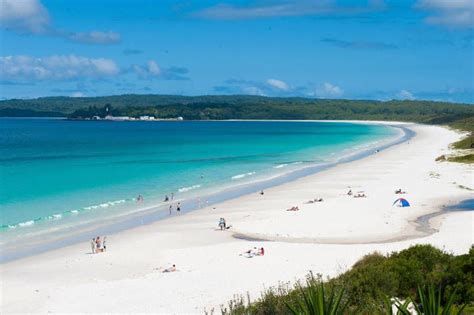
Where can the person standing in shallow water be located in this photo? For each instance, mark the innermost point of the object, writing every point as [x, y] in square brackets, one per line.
[93, 246]
[178, 207]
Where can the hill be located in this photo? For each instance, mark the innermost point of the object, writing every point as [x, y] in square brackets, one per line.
[239, 107]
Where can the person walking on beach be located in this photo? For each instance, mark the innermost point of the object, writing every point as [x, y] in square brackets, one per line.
[93, 246]
[172, 196]
[104, 246]
[178, 208]
[98, 244]
[171, 208]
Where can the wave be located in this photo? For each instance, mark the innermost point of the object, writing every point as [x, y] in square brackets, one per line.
[26, 223]
[242, 175]
[58, 216]
[280, 166]
[184, 189]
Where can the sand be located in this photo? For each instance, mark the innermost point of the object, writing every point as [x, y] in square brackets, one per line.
[325, 238]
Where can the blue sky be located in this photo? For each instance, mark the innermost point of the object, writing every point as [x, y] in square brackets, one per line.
[420, 49]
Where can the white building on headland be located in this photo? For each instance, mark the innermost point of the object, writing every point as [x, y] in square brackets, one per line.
[118, 118]
[146, 117]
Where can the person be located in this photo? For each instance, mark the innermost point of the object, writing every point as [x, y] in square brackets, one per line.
[178, 207]
[98, 245]
[104, 246]
[261, 192]
[349, 193]
[251, 252]
[262, 251]
[293, 209]
[172, 196]
[170, 269]
[222, 224]
[171, 208]
[166, 198]
[140, 198]
[93, 246]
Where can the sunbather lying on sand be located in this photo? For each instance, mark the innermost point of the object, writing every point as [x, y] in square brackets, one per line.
[399, 191]
[253, 252]
[360, 195]
[315, 200]
[169, 269]
[293, 209]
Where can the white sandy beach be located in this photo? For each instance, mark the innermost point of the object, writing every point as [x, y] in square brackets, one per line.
[326, 238]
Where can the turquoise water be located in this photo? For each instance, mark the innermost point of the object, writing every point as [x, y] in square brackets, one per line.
[59, 174]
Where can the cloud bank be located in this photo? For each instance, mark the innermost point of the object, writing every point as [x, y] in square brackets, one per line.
[448, 13]
[26, 68]
[20, 69]
[31, 17]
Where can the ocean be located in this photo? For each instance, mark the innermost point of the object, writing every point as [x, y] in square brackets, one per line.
[58, 176]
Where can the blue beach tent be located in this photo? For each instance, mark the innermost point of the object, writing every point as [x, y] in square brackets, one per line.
[401, 202]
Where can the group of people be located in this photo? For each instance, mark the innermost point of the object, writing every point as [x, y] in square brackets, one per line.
[254, 252]
[168, 198]
[315, 200]
[360, 194]
[98, 245]
[178, 208]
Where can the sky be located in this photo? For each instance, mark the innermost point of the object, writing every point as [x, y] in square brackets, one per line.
[382, 50]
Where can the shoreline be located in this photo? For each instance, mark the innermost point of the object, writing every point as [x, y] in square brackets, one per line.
[422, 224]
[157, 212]
[210, 269]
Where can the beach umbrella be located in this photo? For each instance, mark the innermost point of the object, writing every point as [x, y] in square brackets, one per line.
[401, 202]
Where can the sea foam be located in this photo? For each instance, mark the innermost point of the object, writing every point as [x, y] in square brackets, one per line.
[184, 189]
[242, 175]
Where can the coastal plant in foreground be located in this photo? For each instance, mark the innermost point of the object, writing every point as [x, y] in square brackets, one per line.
[431, 302]
[314, 301]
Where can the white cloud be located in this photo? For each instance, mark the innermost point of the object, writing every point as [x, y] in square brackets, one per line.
[449, 13]
[253, 90]
[96, 37]
[24, 16]
[267, 9]
[59, 67]
[152, 69]
[77, 94]
[328, 90]
[31, 17]
[405, 95]
[278, 84]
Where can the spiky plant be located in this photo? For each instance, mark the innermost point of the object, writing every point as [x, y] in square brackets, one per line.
[314, 301]
[402, 308]
[431, 302]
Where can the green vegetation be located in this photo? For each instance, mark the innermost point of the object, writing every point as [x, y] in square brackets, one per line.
[468, 158]
[244, 107]
[366, 287]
